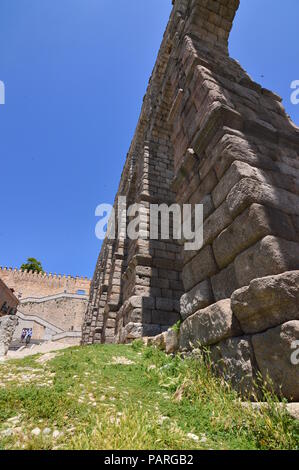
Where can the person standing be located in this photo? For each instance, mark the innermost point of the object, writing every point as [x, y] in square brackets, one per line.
[23, 335]
[28, 336]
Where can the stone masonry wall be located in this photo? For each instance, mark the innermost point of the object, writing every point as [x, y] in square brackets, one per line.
[8, 324]
[51, 315]
[49, 303]
[29, 284]
[208, 134]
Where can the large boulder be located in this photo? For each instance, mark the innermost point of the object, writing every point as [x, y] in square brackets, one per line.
[158, 341]
[224, 283]
[133, 331]
[202, 266]
[8, 325]
[234, 360]
[269, 256]
[199, 297]
[171, 341]
[277, 356]
[252, 225]
[209, 326]
[267, 302]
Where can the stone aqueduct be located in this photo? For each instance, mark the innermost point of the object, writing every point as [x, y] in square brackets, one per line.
[208, 134]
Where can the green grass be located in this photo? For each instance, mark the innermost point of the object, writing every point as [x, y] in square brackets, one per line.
[130, 397]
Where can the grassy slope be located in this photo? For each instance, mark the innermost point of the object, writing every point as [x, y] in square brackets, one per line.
[151, 402]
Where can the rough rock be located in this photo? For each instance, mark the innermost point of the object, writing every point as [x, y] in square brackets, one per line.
[234, 360]
[215, 223]
[267, 302]
[253, 224]
[8, 325]
[277, 356]
[209, 326]
[133, 330]
[224, 283]
[269, 256]
[248, 191]
[293, 410]
[171, 341]
[199, 297]
[203, 265]
[158, 341]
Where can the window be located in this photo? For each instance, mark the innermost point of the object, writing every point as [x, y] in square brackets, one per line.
[81, 292]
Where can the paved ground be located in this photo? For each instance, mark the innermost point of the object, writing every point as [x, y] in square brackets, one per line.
[47, 347]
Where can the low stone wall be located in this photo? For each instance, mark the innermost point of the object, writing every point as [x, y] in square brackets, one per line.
[253, 337]
[8, 324]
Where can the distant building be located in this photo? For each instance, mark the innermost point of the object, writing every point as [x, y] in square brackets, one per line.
[52, 305]
[8, 301]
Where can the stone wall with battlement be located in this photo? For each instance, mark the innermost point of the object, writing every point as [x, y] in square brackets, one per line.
[29, 284]
[49, 303]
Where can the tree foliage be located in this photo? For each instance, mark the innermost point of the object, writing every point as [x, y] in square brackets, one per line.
[32, 265]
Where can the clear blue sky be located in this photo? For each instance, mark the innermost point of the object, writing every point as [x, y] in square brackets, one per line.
[75, 73]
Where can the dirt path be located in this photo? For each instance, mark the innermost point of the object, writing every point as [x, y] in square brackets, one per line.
[37, 349]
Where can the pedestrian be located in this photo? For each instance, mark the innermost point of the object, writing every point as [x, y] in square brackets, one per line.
[28, 336]
[23, 335]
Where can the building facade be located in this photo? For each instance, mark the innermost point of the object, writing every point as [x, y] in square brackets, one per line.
[52, 305]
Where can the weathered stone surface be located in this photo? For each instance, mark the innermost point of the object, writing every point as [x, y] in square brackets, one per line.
[158, 341]
[214, 224]
[206, 134]
[199, 297]
[136, 301]
[171, 341]
[271, 255]
[241, 169]
[236, 147]
[273, 351]
[208, 206]
[8, 325]
[199, 268]
[133, 331]
[293, 410]
[164, 304]
[249, 191]
[255, 223]
[234, 174]
[267, 302]
[135, 316]
[151, 329]
[224, 283]
[234, 360]
[209, 326]
[165, 317]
